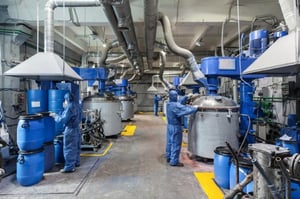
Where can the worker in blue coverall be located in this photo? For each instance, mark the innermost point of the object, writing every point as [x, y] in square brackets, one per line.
[70, 119]
[157, 98]
[175, 110]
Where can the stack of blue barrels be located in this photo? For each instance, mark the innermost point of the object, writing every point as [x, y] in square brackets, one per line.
[225, 169]
[30, 139]
[35, 135]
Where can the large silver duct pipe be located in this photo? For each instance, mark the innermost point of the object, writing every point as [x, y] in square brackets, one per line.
[150, 18]
[49, 21]
[105, 50]
[116, 59]
[120, 19]
[188, 55]
[163, 61]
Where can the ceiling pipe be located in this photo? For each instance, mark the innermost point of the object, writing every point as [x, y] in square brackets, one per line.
[162, 69]
[126, 26]
[188, 55]
[150, 18]
[132, 77]
[120, 19]
[104, 52]
[49, 21]
[116, 59]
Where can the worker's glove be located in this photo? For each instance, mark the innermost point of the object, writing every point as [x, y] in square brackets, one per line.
[52, 114]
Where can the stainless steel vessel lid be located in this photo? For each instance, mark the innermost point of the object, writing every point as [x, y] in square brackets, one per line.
[215, 102]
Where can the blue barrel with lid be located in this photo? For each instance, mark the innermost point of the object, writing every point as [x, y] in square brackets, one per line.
[30, 132]
[30, 167]
[222, 161]
[37, 101]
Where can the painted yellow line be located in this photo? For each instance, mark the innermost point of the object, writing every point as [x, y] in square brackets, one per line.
[164, 118]
[97, 155]
[183, 144]
[207, 183]
[129, 130]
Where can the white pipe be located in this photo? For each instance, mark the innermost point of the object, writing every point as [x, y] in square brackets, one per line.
[49, 21]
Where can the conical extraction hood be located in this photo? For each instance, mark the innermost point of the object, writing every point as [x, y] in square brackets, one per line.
[282, 58]
[44, 66]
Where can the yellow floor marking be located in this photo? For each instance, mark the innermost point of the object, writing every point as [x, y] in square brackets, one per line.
[96, 154]
[164, 119]
[183, 144]
[207, 183]
[129, 130]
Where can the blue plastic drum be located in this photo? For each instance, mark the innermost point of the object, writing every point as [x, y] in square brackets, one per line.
[222, 161]
[37, 101]
[55, 104]
[49, 156]
[30, 132]
[59, 149]
[49, 125]
[295, 188]
[30, 167]
[245, 167]
[292, 145]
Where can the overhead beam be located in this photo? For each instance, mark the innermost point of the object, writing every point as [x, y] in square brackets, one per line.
[200, 33]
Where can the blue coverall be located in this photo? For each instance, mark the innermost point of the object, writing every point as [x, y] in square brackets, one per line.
[175, 110]
[157, 98]
[69, 118]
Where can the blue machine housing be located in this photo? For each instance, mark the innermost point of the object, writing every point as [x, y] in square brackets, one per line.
[232, 67]
[258, 42]
[92, 75]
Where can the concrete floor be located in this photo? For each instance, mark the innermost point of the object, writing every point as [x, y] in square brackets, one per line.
[133, 168]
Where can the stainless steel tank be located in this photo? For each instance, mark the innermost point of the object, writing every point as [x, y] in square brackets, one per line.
[110, 112]
[127, 107]
[216, 123]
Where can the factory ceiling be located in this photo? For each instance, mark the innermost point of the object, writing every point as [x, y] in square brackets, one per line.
[196, 24]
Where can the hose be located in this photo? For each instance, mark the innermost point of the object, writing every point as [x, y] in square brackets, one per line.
[239, 187]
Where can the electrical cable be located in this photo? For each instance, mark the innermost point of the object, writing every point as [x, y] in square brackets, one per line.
[246, 134]
[64, 34]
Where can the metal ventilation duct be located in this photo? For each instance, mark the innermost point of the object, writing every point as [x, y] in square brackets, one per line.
[282, 58]
[49, 66]
[44, 66]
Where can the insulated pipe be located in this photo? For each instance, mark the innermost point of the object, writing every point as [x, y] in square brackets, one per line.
[190, 59]
[105, 50]
[133, 77]
[119, 32]
[126, 26]
[162, 69]
[49, 21]
[150, 18]
[239, 187]
[116, 59]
